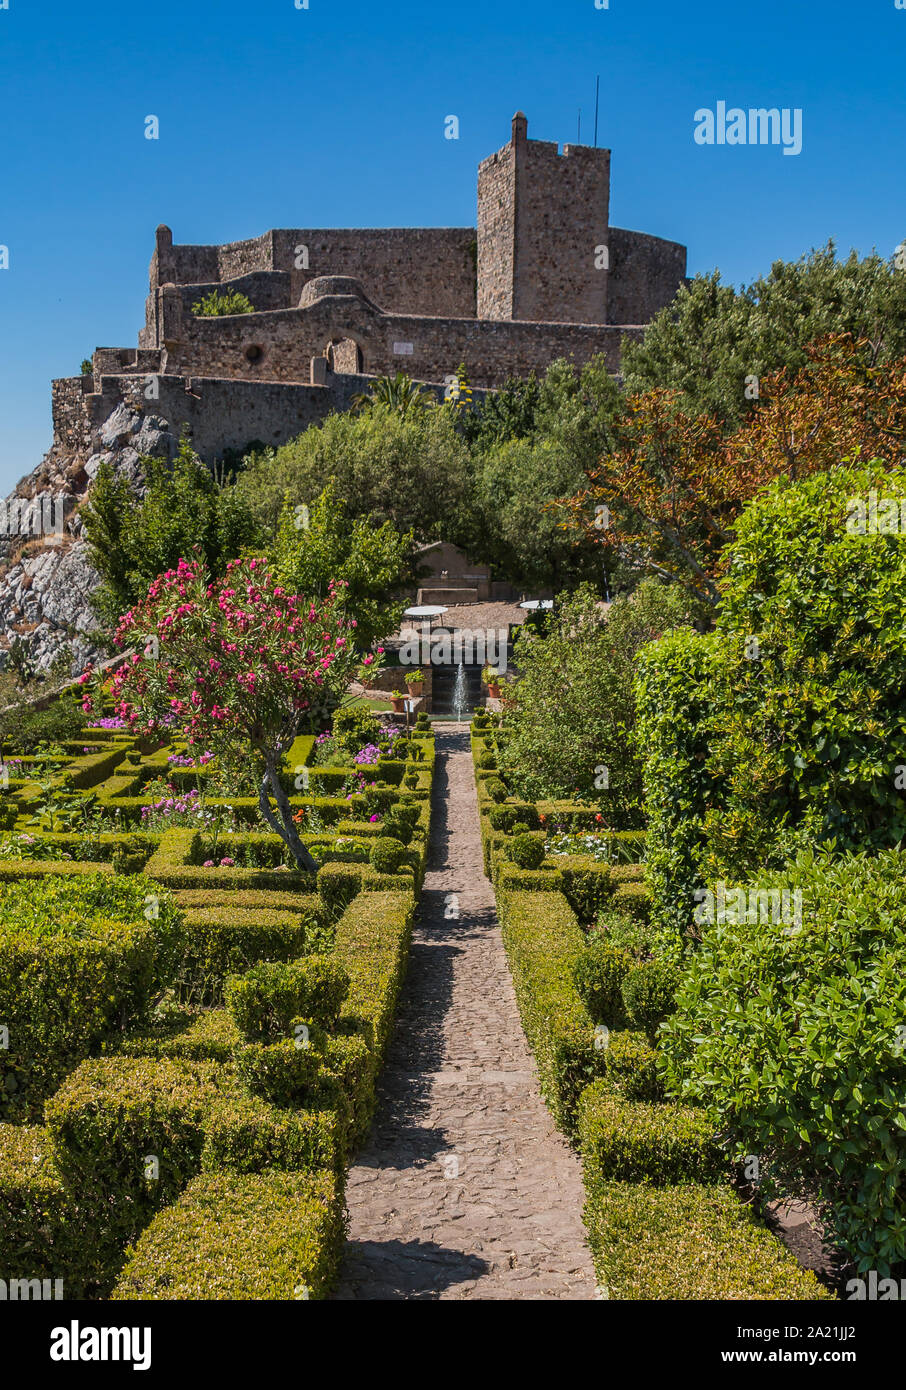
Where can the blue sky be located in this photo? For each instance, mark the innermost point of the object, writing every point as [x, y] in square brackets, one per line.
[334, 116]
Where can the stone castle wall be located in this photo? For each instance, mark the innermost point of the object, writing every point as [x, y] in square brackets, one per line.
[645, 273]
[544, 252]
[278, 346]
[217, 413]
[427, 270]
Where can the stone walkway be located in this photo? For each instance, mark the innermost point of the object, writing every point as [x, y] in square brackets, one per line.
[464, 1190]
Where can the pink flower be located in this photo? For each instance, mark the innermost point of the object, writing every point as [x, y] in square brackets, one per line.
[227, 863]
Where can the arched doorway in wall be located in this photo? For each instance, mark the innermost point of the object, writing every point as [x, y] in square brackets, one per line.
[344, 355]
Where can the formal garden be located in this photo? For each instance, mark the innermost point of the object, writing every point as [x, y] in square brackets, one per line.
[232, 882]
[196, 1004]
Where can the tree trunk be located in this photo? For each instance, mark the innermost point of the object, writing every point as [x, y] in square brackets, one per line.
[285, 827]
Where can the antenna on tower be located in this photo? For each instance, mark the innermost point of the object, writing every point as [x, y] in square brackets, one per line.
[597, 91]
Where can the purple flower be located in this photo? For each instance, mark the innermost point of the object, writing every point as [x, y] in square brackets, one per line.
[227, 863]
[208, 864]
[369, 754]
[373, 818]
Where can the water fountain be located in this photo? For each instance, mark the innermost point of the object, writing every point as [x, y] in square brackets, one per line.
[460, 701]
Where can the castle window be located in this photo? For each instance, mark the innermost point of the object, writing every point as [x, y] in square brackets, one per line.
[254, 353]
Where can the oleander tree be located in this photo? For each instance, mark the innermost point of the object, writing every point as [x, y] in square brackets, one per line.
[238, 664]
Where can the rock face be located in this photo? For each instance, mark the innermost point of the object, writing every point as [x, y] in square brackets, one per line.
[46, 581]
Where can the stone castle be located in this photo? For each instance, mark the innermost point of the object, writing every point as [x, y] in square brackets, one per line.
[544, 276]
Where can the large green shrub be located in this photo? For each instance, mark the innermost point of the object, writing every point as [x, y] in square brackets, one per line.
[649, 993]
[787, 726]
[80, 960]
[599, 973]
[127, 1135]
[629, 1141]
[569, 734]
[260, 1236]
[690, 1241]
[282, 1072]
[792, 1036]
[23, 727]
[543, 942]
[632, 1066]
[267, 1000]
[811, 724]
[387, 855]
[674, 693]
[526, 851]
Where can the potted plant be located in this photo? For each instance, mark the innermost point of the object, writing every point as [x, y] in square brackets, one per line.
[491, 677]
[396, 701]
[414, 682]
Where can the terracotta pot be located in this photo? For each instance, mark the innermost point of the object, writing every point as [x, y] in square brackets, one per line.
[493, 690]
[415, 687]
[396, 704]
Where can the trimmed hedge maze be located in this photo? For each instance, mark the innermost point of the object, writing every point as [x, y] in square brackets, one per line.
[191, 1030]
[663, 1219]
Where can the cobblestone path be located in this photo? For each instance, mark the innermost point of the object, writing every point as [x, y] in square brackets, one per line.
[464, 1190]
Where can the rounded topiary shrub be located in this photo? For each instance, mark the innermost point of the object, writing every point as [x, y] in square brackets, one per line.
[649, 993]
[631, 1066]
[599, 975]
[496, 789]
[487, 761]
[526, 851]
[387, 855]
[397, 828]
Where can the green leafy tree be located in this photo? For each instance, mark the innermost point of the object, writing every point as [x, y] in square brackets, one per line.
[507, 413]
[784, 728]
[571, 710]
[580, 411]
[520, 535]
[132, 539]
[711, 338]
[320, 544]
[412, 469]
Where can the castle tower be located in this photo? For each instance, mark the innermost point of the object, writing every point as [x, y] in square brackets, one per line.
[543, 231]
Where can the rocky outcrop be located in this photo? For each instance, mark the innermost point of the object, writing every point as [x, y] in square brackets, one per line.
[46, 581]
